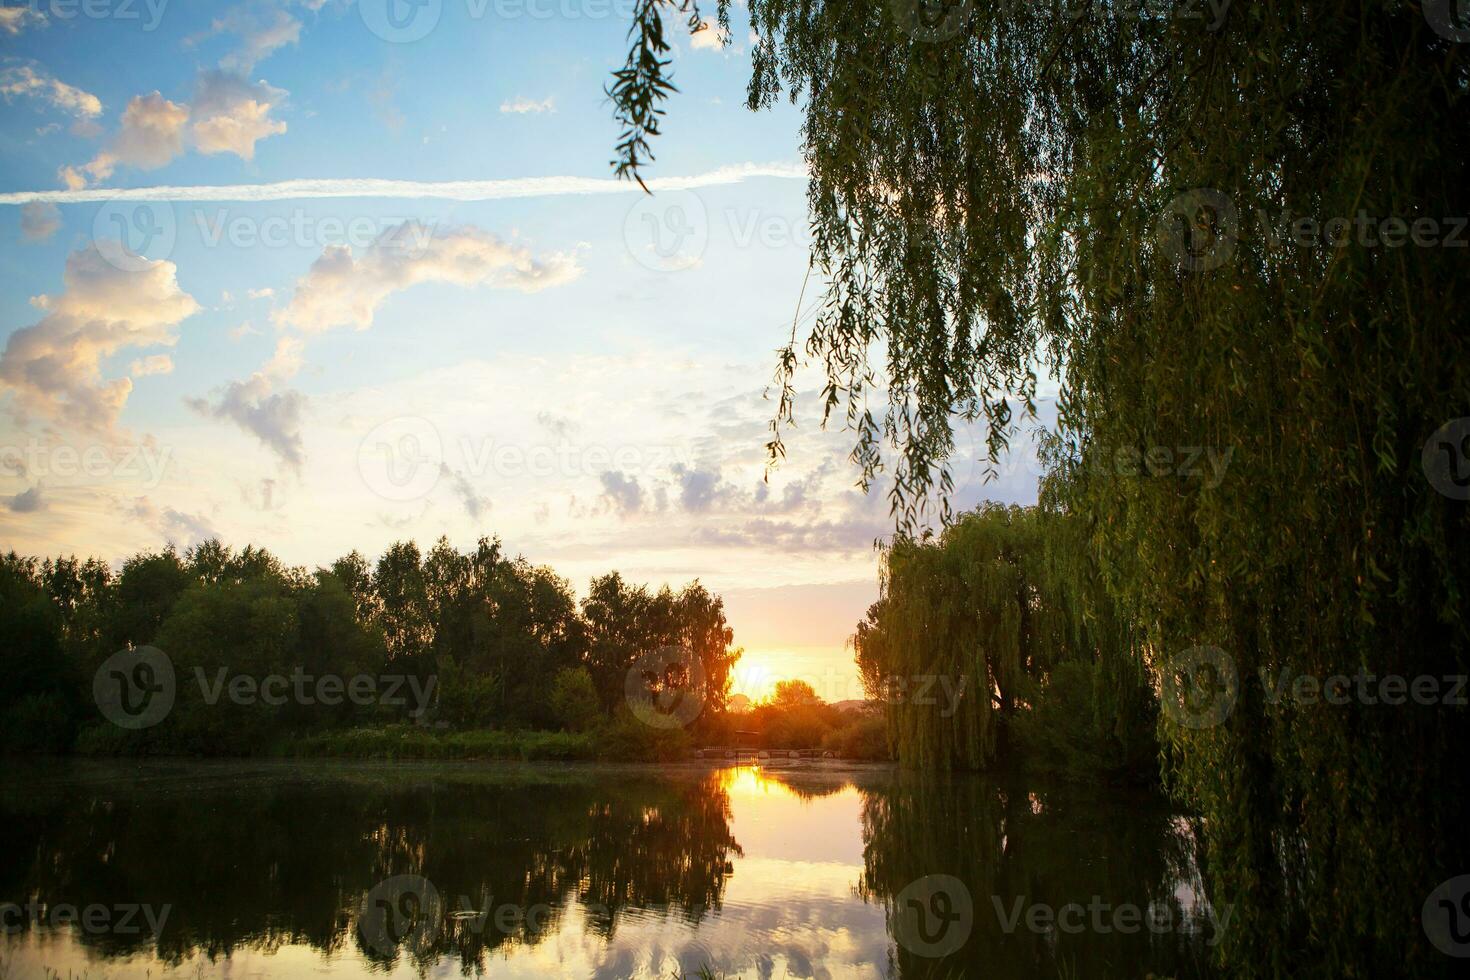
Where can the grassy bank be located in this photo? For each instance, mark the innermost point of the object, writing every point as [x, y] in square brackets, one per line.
[410, 742]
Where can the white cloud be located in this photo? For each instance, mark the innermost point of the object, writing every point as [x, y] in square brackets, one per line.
[273, 417]
[231, 114]
[266, 293]
[708, 38]
[39, 221]
[260, 33]
[13, 20]
[54, 367]
[522, 105]
[152, 134]
[448, 190]
[343, 290]
[286, 360]
[19, 80]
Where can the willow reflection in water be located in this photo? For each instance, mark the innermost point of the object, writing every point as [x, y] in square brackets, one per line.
[290, 870]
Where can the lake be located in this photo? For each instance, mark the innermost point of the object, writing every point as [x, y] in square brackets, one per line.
[815, 869]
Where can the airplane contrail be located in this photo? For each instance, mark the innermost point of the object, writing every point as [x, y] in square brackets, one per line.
[452, 190]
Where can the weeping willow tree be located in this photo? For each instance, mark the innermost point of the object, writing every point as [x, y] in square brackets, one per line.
[1242, 229]
[972, 634]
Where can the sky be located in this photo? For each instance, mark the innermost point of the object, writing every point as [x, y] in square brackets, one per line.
[320, 275]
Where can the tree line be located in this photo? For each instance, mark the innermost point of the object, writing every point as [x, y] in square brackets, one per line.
[485, 639]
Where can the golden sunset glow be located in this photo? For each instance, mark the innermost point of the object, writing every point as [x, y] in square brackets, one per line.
[830, 671]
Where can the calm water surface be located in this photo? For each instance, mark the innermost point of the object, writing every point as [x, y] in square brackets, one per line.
[809, 870]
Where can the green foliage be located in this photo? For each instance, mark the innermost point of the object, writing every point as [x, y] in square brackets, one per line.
[1005, 204]
[792, 693]
[625, 622]
[466, 700]
[574, 700]
[860, 736]
[971, 634]
[37, 698]
[625, 737]
[639, 89]
[445, 639]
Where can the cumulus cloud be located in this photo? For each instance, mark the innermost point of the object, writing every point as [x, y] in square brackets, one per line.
[26, 80]
[27, 501]
[520, 105]
[112, 300]
[152, 134]
[622, 491]
[345, 290]
[272, 416]
[13, 20]
[39, 221]
[231, 114]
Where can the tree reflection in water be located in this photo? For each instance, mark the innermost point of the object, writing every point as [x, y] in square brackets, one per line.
[614, 871]
[267, 863]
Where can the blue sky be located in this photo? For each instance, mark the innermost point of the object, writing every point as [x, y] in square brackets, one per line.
[579, 370]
